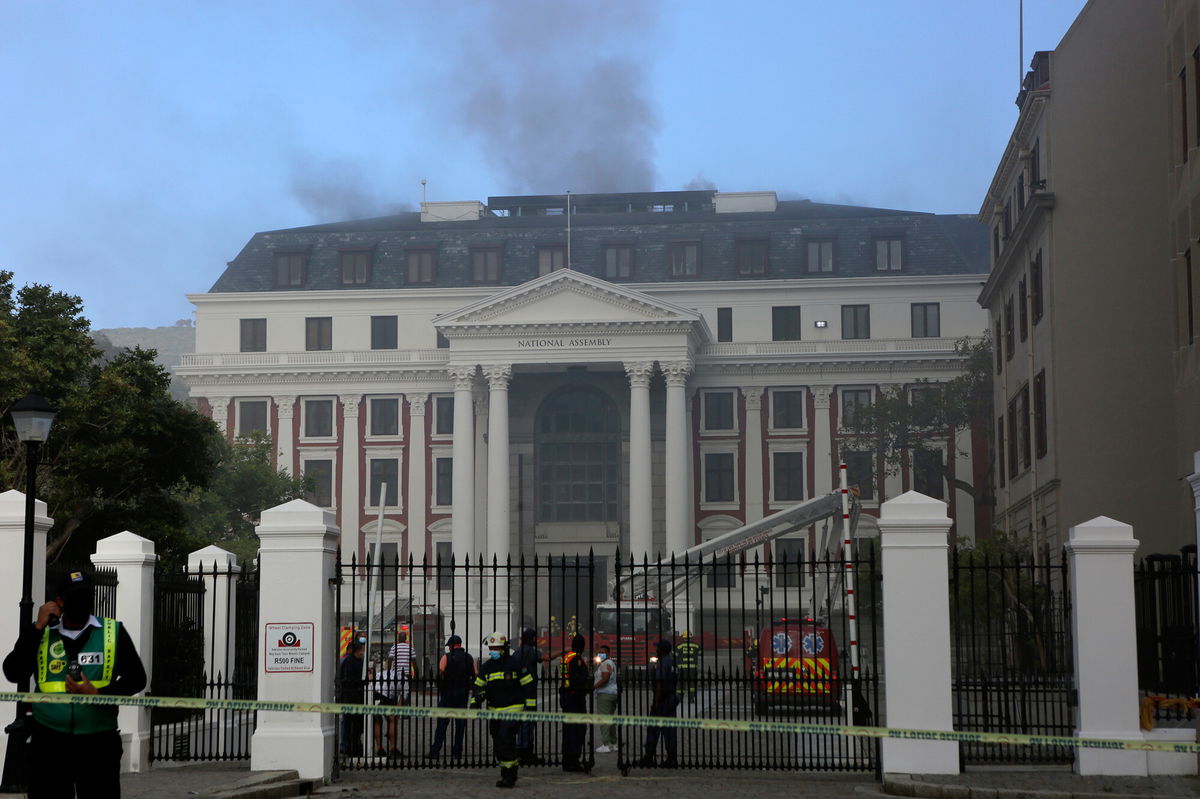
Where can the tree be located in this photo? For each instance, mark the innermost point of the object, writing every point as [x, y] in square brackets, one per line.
[900, 423]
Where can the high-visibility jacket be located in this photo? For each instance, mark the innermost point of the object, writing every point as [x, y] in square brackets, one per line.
[687, 655]
[97, 659]
[504, 685]
[576, 676]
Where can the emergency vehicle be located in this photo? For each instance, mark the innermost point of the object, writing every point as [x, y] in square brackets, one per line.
[795, 665]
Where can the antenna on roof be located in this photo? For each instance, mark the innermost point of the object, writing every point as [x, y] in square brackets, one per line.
[423, 182]
[568, 230]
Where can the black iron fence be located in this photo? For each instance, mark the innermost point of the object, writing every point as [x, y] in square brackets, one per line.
[1011, 651]
[1165, 601]
[772, 639]
[221, 664]
[104, 580]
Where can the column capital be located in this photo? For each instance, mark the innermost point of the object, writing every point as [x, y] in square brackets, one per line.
[463, 375]
[498, 375]
[822, 395]
[350, 405]
[284, 406]
[676, 372]
[753, 396]
[639, 372]
[220, 406]
[416, 404]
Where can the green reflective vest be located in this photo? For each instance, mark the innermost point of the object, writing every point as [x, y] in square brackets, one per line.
[97, 659]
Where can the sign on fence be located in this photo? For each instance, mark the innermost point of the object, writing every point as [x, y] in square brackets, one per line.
[289, 646]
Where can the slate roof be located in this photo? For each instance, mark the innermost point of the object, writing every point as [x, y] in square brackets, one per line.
[935, 244]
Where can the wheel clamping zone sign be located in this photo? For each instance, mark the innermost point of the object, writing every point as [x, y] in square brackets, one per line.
[289, 646]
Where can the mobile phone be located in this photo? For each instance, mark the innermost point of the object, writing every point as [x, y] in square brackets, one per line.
[74, 671]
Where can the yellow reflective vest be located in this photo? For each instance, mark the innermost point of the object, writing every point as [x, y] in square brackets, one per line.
[97, 659]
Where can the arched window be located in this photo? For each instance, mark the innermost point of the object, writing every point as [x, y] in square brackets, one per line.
[578, 451]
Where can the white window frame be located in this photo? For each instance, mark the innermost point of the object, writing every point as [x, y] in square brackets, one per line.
[440, 532]
[237, 411]
[774, 449]
[383, 454]
[724, 431]
[323, 454]
[367, 435]
[436, 452]
[333, 419]
[841, 402]
[434, 435]
[715, 448]
[771, 427]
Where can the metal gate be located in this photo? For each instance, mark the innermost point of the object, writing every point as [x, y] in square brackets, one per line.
[1166, 613]
[736, 611]
[1011, 653]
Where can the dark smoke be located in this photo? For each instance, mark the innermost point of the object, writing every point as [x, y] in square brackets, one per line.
[700, 183]
[339, 189]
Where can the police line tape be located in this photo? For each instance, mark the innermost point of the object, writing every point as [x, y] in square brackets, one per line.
[724, 725]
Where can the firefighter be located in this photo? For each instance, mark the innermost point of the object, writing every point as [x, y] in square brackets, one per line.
[504, 685]
[687, 664]
[573, 694]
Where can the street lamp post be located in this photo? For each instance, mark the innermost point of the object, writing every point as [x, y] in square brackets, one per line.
[32, 416]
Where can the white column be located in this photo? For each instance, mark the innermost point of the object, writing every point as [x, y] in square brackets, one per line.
[284, 407]
[480, 490]
[641, 500]
[352, 495]
[298, 542]
[822, 458]
[498, 500]
[754, 453]
[1100, 562]
[12, 541]
[416, 500]
[133, 558]
[220, 412]
[463, 477]
[678, 536]
[216, 567]
[913, 536]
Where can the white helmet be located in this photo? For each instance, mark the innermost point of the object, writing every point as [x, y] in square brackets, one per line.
[496, 640]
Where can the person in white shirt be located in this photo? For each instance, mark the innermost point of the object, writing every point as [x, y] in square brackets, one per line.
[401, 656]
[386, 686]
[605, 690]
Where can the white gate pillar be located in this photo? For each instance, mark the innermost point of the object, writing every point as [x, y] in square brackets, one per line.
[217, 568]
[1105, 643]
[298, 544]
[12, 540]
[913, 540]
[133, 559]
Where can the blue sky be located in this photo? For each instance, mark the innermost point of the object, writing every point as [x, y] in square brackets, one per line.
[143, 143]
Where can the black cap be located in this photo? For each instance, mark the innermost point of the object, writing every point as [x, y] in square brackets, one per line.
[578, 642]
[75, 583]
[454, 640]
[528, 635]
[664, 648]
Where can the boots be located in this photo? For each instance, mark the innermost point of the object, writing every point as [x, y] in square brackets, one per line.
[508, 778]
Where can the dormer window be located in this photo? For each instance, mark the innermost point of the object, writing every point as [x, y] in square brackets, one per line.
[290, 269]
[356, 267]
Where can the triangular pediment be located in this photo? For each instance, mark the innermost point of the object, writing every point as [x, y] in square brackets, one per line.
[566, 298]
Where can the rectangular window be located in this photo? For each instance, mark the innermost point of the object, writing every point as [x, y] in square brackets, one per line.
[384, 472]
[785, 323]
[443, 487]
[289, 269]
[998, 343]
[1023, 311]
[721, 573]
[1185, 142]
[384, 413]
[787, 476]
[1040, 436]
[860, 471]
[318, 418]
[1023, 410]
[685, 259]
[1000, 448]
[927, 473]
[356, 267]
[889, 255]
[485, 264]
[422, 264]
[388, 559]
[820, 256]
[1196, 89]
[852, 400]
[718, 477]
[254, 335]
[618, 261]
[718, 410]
[724, 324]
[443, 343]
[551, 259]
[1020, 192]
[926, 320]
[996, 243]
[384, 333]
[751, 256]
[1035, 287]
[1010, 324]
[789, 562]
[318, 474]
[1035, 167]
[856, 321]
[443, 552]
[1013, 457]
[443, 416]
[787, 409]
[1190, 299]
[1007, 219]
[318, 333]
[251, 417]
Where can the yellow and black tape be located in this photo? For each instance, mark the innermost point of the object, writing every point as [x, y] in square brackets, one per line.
[724, 725]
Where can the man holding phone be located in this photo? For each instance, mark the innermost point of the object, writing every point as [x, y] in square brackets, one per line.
[75, 748]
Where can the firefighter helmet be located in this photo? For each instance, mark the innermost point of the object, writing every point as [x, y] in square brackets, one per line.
[687, 635]
[496, 640]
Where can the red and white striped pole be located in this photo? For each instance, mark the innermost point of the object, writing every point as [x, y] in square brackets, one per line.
[851, 601]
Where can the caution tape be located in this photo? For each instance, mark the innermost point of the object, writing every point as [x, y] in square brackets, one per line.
[724, 725]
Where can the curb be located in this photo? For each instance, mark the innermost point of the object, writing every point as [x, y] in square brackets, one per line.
[906, 785]
[266, 785]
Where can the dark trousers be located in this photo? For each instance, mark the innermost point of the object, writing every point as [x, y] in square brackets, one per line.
[460, 727]
[63, 766]
[352, 730]
[504, 744]
[573, 734]
[665, 710]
